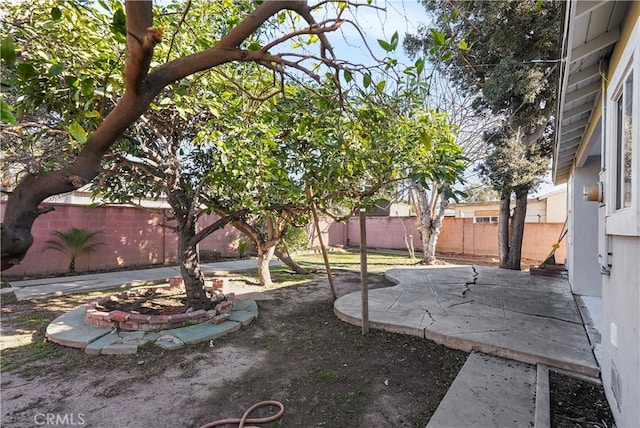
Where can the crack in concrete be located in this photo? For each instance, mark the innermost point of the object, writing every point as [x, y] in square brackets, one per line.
[473, 282]
[429, 315]
[530, 314]
[394, 302]
[435, 293]
[460, 303]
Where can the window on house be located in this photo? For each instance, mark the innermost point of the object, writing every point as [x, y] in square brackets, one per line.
[487, 219]
[623, 140]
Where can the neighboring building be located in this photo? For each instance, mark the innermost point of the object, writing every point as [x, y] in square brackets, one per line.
[548, 208]
[597, 151]
[394, 209]
[84, 196]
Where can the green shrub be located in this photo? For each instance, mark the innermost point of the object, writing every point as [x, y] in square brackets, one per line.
[73, 243]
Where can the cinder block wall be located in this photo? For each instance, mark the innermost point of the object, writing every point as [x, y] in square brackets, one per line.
[458, 235]
[131, 237]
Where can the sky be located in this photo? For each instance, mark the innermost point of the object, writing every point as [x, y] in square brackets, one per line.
[402, 16]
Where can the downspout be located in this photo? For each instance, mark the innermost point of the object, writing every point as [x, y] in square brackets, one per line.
[604, 257]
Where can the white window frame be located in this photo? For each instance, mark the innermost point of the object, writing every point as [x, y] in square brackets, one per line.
[623, 221]
[492, 219]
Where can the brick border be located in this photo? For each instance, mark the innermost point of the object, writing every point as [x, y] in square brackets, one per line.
[123, 320]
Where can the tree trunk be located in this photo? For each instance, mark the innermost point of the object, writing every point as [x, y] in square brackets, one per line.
[433, 232]
[408, 242]
[264, 257]
[325, 257]
[503, 228]
[517, 231]
[423, 218]
[287, 260]
[72, 265]
[190, 268]
[430, 214]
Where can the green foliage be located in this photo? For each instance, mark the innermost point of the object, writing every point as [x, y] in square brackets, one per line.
[296, 238]
[6, 114]
[513, 165]
[477, 192]
[243, 247]
[503, 66]
[391, 45]
[74, 243]
[512, 74]
[60, 71]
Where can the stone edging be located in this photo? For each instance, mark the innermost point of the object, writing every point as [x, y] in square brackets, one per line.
[123, 320]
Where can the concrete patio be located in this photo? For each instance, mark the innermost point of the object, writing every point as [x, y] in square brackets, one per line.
[510, 314]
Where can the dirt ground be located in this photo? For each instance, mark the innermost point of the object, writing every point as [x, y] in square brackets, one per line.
[324, 371]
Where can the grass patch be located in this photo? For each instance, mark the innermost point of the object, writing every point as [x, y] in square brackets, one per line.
[279, 275]
[34, 319]
[324, 376]
[13, 358]
[8, 299]
[376, 262]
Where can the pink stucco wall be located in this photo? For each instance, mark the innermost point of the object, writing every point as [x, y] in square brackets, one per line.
[135, 237]
[458, 235]
[131, 237]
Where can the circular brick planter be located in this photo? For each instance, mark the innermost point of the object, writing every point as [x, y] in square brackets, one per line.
[140, 322]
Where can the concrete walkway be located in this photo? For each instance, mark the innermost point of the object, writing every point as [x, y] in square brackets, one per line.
[506, 316]
[37, 288]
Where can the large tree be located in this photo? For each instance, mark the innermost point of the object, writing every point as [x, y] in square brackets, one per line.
[433, 184]
[504, 54]
[146, 74]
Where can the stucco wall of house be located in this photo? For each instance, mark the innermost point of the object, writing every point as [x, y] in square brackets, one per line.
[621, 331]
[582, 238]
[621, 289]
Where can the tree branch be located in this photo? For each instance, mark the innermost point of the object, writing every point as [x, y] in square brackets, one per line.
[219, 224]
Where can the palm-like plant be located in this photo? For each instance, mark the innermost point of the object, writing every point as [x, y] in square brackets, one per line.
[74, 243]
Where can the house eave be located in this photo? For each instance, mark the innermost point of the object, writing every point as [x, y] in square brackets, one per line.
[590, 30]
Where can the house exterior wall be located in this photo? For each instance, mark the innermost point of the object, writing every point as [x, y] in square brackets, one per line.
[618, 238]
[582, 238]
[621, 241]
[536, 211]
[621, 331]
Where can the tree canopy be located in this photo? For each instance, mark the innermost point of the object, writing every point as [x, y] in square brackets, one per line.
[504, 55]
[155, 49]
